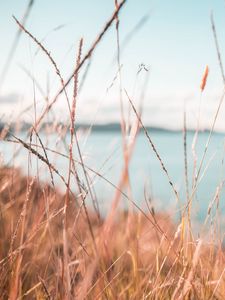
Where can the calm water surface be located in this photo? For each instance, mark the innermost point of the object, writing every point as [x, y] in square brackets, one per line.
[102, 152]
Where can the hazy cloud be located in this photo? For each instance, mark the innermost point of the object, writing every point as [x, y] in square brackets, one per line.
[9, 98]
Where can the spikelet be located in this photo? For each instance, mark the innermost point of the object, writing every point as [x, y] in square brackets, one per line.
[204, 78]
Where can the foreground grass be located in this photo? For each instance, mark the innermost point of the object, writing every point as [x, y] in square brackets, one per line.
[53, 247]
[136, 258]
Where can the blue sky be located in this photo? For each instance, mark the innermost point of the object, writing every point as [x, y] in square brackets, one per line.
[175, 43]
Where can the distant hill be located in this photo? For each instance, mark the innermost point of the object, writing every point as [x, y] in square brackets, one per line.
[111, 127]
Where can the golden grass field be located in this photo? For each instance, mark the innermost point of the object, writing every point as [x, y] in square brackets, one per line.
[130, 260]
[53, 246]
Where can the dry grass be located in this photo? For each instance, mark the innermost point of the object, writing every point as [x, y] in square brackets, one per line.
[54, 247]
[135, 263]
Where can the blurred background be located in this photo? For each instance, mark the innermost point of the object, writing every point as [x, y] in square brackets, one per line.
[165, 47]
[173, 40]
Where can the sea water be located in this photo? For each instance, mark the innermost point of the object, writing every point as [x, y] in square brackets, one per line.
[102, 152]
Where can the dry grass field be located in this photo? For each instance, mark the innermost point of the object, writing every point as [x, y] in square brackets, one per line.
[54, 246]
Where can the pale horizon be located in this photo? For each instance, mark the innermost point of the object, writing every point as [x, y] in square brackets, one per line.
[174, 41]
